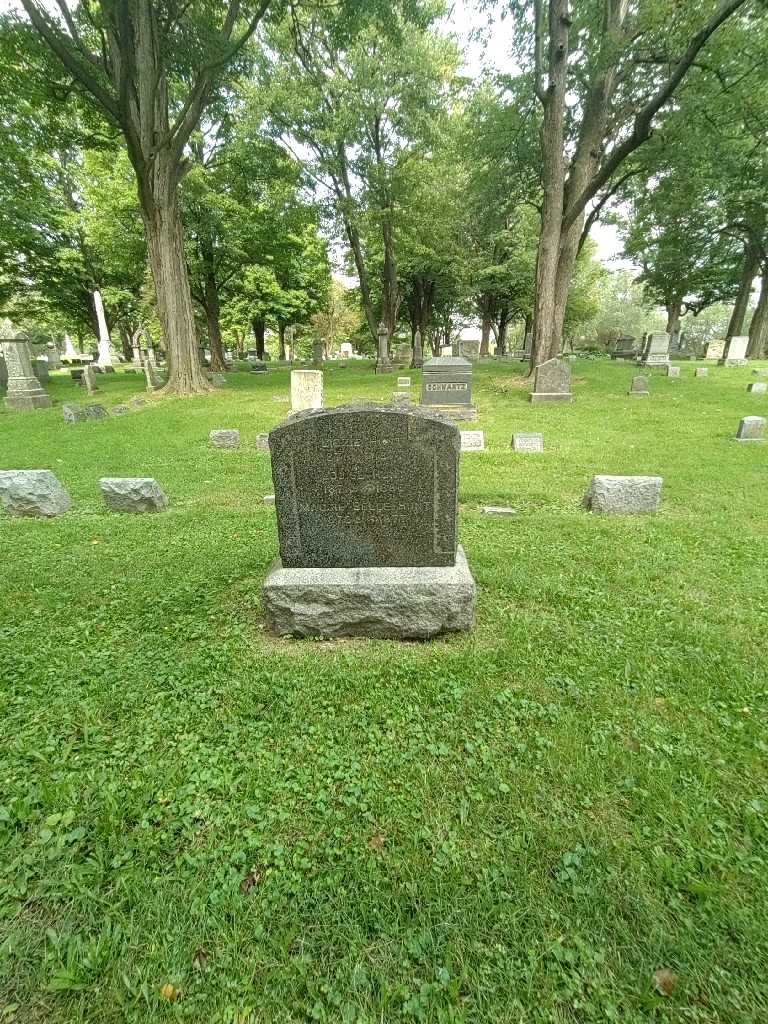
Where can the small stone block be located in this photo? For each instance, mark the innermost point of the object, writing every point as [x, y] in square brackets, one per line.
[269, 499]
[528, 442]
[32, 492]
[623, 495]
[472, 440]
[73, 413]
[224, 438]
[133, 494]
[639, 386]
[262, 443]
[761, 371]
[701, 371]
[403, 382]
[498, 510]
[400, 397]
[137, 403]
[751, 428]
[120, 410]
[759, 387]
[386, 602]
[673, 371]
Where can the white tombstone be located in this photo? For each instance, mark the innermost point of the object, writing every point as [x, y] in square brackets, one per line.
[736, 352]
[345, 350]
[715, 349]
[528, 442]
[69, 348]
[403, 382]
[472, 440]
[105, 360]
[306, 390]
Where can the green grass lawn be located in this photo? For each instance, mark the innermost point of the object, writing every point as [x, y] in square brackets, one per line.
[519, 825]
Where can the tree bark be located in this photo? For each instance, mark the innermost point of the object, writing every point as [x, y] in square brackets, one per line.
[758, 330]
[749, 271]
[213, 320]
[674, 307]
[281, 341]
[259, 331]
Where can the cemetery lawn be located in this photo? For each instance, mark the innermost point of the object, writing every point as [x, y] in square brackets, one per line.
[561, 818]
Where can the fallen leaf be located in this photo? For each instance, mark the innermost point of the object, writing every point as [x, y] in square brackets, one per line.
[170, 993]
[252, 878]
[665, 981]
[376, 842]
[200, 959]
[95, 541]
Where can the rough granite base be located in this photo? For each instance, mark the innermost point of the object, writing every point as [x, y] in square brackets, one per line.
[396, 603]
[551, 396]
[458, 413]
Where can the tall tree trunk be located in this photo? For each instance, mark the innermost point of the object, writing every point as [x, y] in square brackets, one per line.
[213, 320]
[126, 343]
[485, 335]
[758, 330]
[674, 307]
[749, 271]
[390, 291]
[501, 332]
[162, 223]
[281, 341]
[259, 330]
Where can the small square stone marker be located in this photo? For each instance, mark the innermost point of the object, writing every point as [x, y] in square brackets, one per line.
[73, 413]
[701, 371]
[673, 371]
[758, 387]
[132, 494]
[751, 428]
[403, 382]
[639, 386]
[472, 441]
[498, 510]
[262, 443]
[623, 495]
[224, 438]
[528, 442]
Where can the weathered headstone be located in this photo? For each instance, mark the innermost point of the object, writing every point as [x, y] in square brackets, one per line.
[761, 371]
[472, 441]
[366, 499]
[306, 390]
[623, 495]
[383, 365]
[673, 371]
[120, 410]
[751, 428]
[639, 386]
[417, 360]
[498, 510]
[552, 382]
[32, 492]
[54, 359]
[656, 350]
[736, 351]
[88, 380]
[40, 369]
[701, 371]
[528, 442]
[224, 438]
[153, 383]
[24, 390]
[715, 349]
[470, 349]
[95, 412]
[73, 413]
[401, 397]
[403, 382]
[346, 350]
[262, 443]
[758, 387]
[107, 357]
[132, 494]
[446, 387]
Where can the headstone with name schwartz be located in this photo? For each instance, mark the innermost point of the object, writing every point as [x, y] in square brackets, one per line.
[528, 442]
[552, 382]
[446, 387]
[366, 499]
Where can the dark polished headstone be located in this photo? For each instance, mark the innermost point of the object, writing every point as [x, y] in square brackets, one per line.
[366, 485]
[446, 385]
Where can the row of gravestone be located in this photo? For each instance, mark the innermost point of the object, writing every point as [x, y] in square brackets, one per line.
[37, 492]
[74, 413]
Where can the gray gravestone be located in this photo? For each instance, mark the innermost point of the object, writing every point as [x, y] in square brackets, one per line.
[552, 382]
[403, 382]
[639, 386]
[23, 388]
[88, 380]
[224, 438]
[736, 351]
[751, 428]
[446, 387]
[673, 371]
[656, 350]
[366, 498]
[758, 387]
[73, 413]
[95, 412]
[262, 443]
[383, 365]
[32, 492]
[623, 495]
[761, 371]
[528, 442]
[132, 494]
[701, 371]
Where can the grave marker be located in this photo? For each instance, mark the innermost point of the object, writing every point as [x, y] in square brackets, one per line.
[306, 390]
[528, 442]
[751, 428]
[552, 382]
[472, 441]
